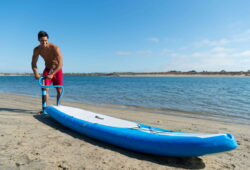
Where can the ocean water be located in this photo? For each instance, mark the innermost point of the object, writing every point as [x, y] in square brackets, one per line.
[219, 96]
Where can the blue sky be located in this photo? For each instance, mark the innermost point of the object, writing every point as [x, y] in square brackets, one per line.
[128, 35]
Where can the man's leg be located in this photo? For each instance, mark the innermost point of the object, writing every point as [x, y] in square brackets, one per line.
[58, 80]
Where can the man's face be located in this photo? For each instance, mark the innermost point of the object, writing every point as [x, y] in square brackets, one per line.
[44, 41]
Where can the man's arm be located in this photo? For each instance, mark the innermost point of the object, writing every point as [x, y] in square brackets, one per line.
[33, 63]
[60, 62]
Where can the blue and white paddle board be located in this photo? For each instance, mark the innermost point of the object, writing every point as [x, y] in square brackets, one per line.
[140, 137]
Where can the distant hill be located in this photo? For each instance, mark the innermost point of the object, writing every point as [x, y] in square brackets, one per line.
[153, 74]
[190, 73]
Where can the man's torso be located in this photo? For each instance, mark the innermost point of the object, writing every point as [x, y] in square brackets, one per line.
[49, 55]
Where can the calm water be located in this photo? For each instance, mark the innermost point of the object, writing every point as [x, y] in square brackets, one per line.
[214, 96]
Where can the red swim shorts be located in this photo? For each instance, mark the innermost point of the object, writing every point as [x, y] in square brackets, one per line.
[57, 78]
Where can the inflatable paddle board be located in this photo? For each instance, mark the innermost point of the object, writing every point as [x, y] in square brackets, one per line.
[140, 137]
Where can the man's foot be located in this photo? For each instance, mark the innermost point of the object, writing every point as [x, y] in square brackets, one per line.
[42, 113]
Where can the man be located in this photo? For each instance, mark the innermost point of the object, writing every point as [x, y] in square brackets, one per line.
[53, 62]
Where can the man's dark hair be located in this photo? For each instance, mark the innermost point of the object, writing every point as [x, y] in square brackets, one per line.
[42, 34]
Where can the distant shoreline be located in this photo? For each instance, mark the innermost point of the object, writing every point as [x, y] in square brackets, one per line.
[149, 74]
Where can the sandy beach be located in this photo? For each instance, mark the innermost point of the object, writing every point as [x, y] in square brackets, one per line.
[31, 141]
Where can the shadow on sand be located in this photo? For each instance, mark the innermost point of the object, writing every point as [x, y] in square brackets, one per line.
[18, 110]
[177, 162]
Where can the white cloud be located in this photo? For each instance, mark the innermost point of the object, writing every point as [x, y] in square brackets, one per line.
[243, 54]
[198, 54]
[126, 53]
[147, 52]
[175, 55]
[123, 53]
[207, 42]
[213, 55]
[222, 49]
[220, 42]
[184, 48]
[154, 39]
[220, 55]
[165, 52]
[242, 37]
[211, 60]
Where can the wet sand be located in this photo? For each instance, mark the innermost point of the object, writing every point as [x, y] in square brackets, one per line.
[31, 141]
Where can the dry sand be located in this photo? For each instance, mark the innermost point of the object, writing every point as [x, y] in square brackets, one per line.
[31, 141]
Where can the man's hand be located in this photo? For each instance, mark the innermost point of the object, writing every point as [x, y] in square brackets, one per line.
[37, 76]
[50, 76]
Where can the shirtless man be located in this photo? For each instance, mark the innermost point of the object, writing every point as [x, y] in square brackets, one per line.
[53, 63]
